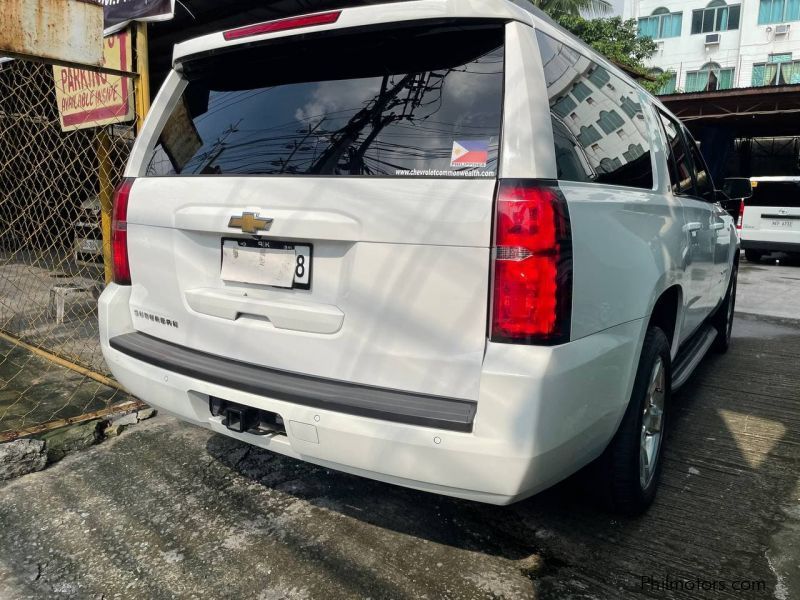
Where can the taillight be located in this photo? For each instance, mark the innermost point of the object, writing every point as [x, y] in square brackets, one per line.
[325, 18]
[121, 270]
[741, 214]
[532, 291]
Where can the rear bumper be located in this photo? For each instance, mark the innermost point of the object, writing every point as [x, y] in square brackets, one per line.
[340, 396]
[542, 413]
[766, 246]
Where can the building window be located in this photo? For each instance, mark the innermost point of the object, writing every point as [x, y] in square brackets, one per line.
[661, 24]
[709, 78]
[588, 136]
[599, 77]
[780, 70]
[564, 106]
[581, 91]
[610, 121]
[629, 106]
[609, 165]
[669, 86]
[717, 16]
[634, 151]
[778, 11]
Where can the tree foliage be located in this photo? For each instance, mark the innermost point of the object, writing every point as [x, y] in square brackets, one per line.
[574, 7]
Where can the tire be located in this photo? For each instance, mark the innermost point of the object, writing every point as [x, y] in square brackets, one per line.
[625, 485]
[723, 318]
[753, 255]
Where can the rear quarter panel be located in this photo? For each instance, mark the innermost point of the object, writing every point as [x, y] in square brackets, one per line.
[627, 247]
[628, 243]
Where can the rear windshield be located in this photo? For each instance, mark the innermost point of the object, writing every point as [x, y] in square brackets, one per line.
[413, 101]
[774, 193]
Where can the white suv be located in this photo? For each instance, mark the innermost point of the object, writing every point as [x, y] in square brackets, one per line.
[771, 216]
[440, 243]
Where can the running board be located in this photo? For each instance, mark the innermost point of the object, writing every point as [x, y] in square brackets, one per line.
[691, 354]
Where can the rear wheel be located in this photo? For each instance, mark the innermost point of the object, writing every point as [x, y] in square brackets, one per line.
[753, 255]
[723, 318]
[630, 468]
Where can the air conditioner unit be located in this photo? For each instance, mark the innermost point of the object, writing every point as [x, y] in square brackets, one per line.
[782, 29]
[713, 39]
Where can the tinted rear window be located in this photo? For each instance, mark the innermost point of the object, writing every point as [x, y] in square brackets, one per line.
[773, 193]
[413, 101]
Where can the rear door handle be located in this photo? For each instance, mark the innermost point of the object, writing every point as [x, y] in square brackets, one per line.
[693, 226]
[717, 226]
[291, 315]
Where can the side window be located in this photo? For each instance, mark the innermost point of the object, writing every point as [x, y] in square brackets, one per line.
[599, 138]
[705, 186]
[679, 162]
[571, 161]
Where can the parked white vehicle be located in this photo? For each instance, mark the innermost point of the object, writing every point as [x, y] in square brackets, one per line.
[771, 216]
[437, 243]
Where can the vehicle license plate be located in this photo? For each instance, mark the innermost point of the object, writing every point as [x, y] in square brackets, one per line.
[267, 262]
[781, 223]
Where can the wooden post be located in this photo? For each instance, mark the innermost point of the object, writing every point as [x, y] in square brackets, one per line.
[142, 84]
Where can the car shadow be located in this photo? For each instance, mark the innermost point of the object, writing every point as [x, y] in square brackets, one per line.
[789, 260]
[730, 469]
[453, 522]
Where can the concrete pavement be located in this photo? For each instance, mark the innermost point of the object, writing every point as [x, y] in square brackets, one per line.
[770, 287]
[171, 511]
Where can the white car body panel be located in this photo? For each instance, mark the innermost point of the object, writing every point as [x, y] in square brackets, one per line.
[527, 136]
[543, 412]
[370, 15]
[534, 425]
[393, 335]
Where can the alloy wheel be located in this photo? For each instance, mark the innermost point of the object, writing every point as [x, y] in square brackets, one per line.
[652, 424]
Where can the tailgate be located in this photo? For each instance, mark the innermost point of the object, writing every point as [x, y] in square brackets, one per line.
[326, 209]
[773, 212]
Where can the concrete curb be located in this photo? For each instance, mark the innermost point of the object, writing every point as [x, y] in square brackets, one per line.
[769, 318]
[28, 455]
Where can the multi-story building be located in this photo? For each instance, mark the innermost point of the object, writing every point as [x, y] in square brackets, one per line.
[719, 44]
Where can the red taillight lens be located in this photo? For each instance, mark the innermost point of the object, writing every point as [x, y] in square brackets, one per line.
[532, 292]
[741, 214]
[325, 18]
[121, 270]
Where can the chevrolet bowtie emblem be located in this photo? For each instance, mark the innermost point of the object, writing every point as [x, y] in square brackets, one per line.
[250, 223]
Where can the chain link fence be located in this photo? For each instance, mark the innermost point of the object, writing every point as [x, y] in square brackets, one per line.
[52, 184]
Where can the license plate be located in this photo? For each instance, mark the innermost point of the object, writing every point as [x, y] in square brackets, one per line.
[781, 223]
[267, 262]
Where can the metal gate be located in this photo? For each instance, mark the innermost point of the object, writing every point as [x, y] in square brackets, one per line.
[55, 192]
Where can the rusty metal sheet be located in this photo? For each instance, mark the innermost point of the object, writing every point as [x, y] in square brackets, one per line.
[67, 31]
[87, 99]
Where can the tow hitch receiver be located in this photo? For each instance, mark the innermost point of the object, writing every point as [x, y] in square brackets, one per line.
[245, 419]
